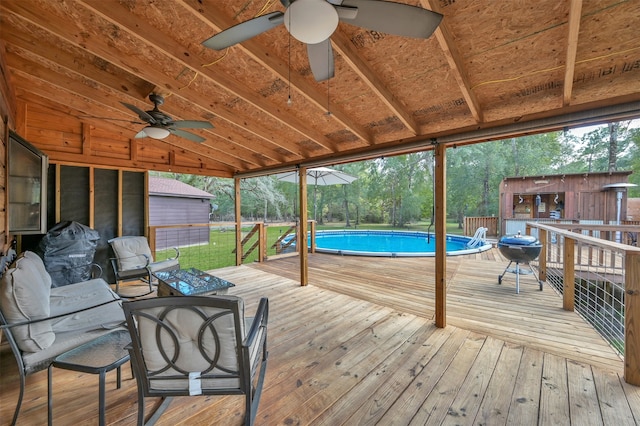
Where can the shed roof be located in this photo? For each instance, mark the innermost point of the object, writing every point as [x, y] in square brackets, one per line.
[622, 173]
[174, 188]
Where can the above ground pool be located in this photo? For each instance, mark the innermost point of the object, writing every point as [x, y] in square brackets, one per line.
[393, 243]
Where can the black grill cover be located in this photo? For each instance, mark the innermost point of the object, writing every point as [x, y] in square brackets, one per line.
[67, 251]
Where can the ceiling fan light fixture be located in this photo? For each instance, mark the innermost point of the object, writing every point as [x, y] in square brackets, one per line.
[156, 132]
[311, 21]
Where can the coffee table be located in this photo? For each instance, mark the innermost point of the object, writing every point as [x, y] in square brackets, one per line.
[98, 356]
[190, 282]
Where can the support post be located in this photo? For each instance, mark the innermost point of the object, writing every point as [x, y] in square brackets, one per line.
[632, 319]
[302, 235]
[238, 217]
[441, 235]
[262, 242]
[542, 260]
[569, 285]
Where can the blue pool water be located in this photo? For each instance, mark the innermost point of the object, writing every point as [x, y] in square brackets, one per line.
[390, 243]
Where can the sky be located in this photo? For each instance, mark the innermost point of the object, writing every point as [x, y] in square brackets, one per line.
[581, 131]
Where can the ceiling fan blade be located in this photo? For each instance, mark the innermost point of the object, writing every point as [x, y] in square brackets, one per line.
[142, 114]
[244, 31]
[321, 60]
[187, 135]
[393, 18]
[192, 124]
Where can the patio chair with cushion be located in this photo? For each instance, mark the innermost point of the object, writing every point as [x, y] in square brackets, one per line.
[195, 345]
[133, 261]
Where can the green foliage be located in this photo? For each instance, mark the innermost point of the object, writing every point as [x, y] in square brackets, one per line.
[398, 190]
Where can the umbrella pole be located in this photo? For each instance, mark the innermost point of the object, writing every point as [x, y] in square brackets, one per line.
[315, 200]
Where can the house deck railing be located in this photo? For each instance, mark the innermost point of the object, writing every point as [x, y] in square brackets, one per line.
[209, 246]
[598, 276]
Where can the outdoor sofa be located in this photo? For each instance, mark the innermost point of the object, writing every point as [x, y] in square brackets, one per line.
[41, 322]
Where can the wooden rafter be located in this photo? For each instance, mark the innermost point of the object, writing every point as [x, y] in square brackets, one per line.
[215, 19]
[344, 47]
[575, 12]
[455, 63]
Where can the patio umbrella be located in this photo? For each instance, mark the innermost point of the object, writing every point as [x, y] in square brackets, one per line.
[318, 176]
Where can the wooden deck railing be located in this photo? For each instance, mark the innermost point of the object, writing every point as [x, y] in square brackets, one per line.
[213, 245]
[598, 277]
[470, 225]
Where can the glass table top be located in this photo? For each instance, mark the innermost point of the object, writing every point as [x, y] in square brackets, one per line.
[192, 281]
[106, 350]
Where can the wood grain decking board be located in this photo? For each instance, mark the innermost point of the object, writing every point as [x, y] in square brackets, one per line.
[340, 356]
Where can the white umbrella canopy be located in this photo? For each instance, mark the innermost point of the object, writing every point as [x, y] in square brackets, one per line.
[318, 176]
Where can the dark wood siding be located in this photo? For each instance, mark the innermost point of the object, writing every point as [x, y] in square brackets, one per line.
[106, 217]
[133, 203]
[178, 211]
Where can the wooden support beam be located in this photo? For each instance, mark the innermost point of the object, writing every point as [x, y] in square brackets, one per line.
[632, 319]
[262, 238]
[302, 234]
[568, 291]
[92, 197]
[441, 235]
[542, 260]
[238, 214]
[575, 13]
[120, 195]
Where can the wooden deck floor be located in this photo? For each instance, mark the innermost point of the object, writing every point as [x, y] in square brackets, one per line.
[358, 346]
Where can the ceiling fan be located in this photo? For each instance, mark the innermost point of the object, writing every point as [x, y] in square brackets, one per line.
[313, 21]
[160, 125]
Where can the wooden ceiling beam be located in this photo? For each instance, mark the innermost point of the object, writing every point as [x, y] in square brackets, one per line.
[67, 31]
[34, 98]
[228, 152]
[121, 16]
[34, 77]
[41, 48]
[215, 18]
[351, 57]
[448, 46]
[575, 12]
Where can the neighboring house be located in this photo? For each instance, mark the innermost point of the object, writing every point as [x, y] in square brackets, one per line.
[581, 197]
[172, 202]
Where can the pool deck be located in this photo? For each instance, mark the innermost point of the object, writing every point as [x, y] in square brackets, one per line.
[359, 346]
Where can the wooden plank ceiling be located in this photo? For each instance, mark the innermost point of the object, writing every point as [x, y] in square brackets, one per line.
[489, 64]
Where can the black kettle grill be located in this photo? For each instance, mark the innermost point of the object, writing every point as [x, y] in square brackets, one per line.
[520, 249]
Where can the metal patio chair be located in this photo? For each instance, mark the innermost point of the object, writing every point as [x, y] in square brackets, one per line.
[195, 345]
[133, 261]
